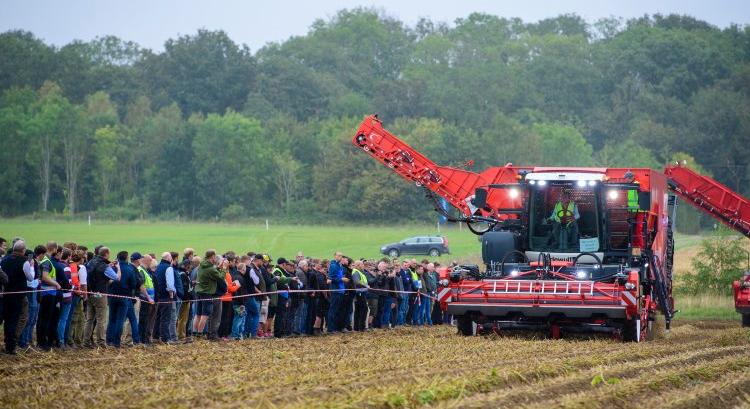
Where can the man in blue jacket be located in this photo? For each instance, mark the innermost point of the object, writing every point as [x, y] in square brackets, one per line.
[166, 293]
[337, 282]
[404, 298]
[118, 306]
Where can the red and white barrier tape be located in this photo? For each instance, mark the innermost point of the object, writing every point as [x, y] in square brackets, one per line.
[378, 290]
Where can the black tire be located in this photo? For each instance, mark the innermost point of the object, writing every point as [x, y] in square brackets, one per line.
[746, 320]
[465, 325]
[630, 331]
[434, 253]
[393, 253]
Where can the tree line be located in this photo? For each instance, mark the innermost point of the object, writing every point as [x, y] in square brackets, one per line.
[209, 129]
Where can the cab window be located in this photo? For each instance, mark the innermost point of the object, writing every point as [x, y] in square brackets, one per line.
[564, 218]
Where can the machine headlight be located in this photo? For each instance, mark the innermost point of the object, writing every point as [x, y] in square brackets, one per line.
[514, 273]
[629, 286]
[613, 194]
[581, 183]
[581, 275]
[592, 183]
[513, 193]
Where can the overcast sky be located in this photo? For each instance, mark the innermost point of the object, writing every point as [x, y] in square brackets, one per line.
[151, 22]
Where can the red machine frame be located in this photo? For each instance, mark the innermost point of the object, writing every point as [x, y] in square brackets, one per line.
[535, 297]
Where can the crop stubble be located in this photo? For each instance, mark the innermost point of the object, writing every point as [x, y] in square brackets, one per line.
[698, 364]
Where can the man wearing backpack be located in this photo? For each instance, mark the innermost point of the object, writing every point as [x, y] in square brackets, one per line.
[100, 271]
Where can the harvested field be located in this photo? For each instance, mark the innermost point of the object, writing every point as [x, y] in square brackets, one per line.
[698, 364]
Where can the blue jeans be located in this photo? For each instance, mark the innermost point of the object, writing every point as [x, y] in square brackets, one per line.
[191, 315]
[385, 319]
[133, 319]
[238, 322]
[118, 310]
[334, 311]
[252, 317]
[62, 323]
[416, 313]
[28, 330]
[426, 314]
[300, 318]
[403, 308]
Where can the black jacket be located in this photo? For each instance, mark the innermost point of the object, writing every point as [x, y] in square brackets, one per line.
[247, 287]
[3, 278]
[13, 266]
[376, 282]
[96, 280]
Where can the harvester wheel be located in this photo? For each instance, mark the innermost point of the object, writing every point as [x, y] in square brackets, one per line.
[746, 320]
[465, 325]
[630, 331]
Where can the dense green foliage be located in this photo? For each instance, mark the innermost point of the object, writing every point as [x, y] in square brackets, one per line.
[208, 129]
[720, 261]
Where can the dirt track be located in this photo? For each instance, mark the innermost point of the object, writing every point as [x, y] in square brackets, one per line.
[698, 364]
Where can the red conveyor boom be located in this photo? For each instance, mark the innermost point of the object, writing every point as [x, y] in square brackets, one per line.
[711, 197]
[455, 185]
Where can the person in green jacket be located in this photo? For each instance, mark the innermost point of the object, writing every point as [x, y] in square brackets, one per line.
[205, 288]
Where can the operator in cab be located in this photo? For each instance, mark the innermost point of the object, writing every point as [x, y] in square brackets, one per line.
[565, 217]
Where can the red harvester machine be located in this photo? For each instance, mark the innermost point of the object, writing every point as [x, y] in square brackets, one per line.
[602, 263]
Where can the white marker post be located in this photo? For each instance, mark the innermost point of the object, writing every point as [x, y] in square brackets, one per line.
[266, 224]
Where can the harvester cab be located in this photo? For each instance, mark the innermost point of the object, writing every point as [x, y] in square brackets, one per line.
[564, 214]
[575, 250]
[565, 249]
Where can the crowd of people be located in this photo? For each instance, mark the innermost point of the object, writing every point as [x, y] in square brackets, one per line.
[73, 297]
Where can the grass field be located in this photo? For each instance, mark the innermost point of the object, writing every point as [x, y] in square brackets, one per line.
[279, 240]
[697, 365]
[705, 306]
